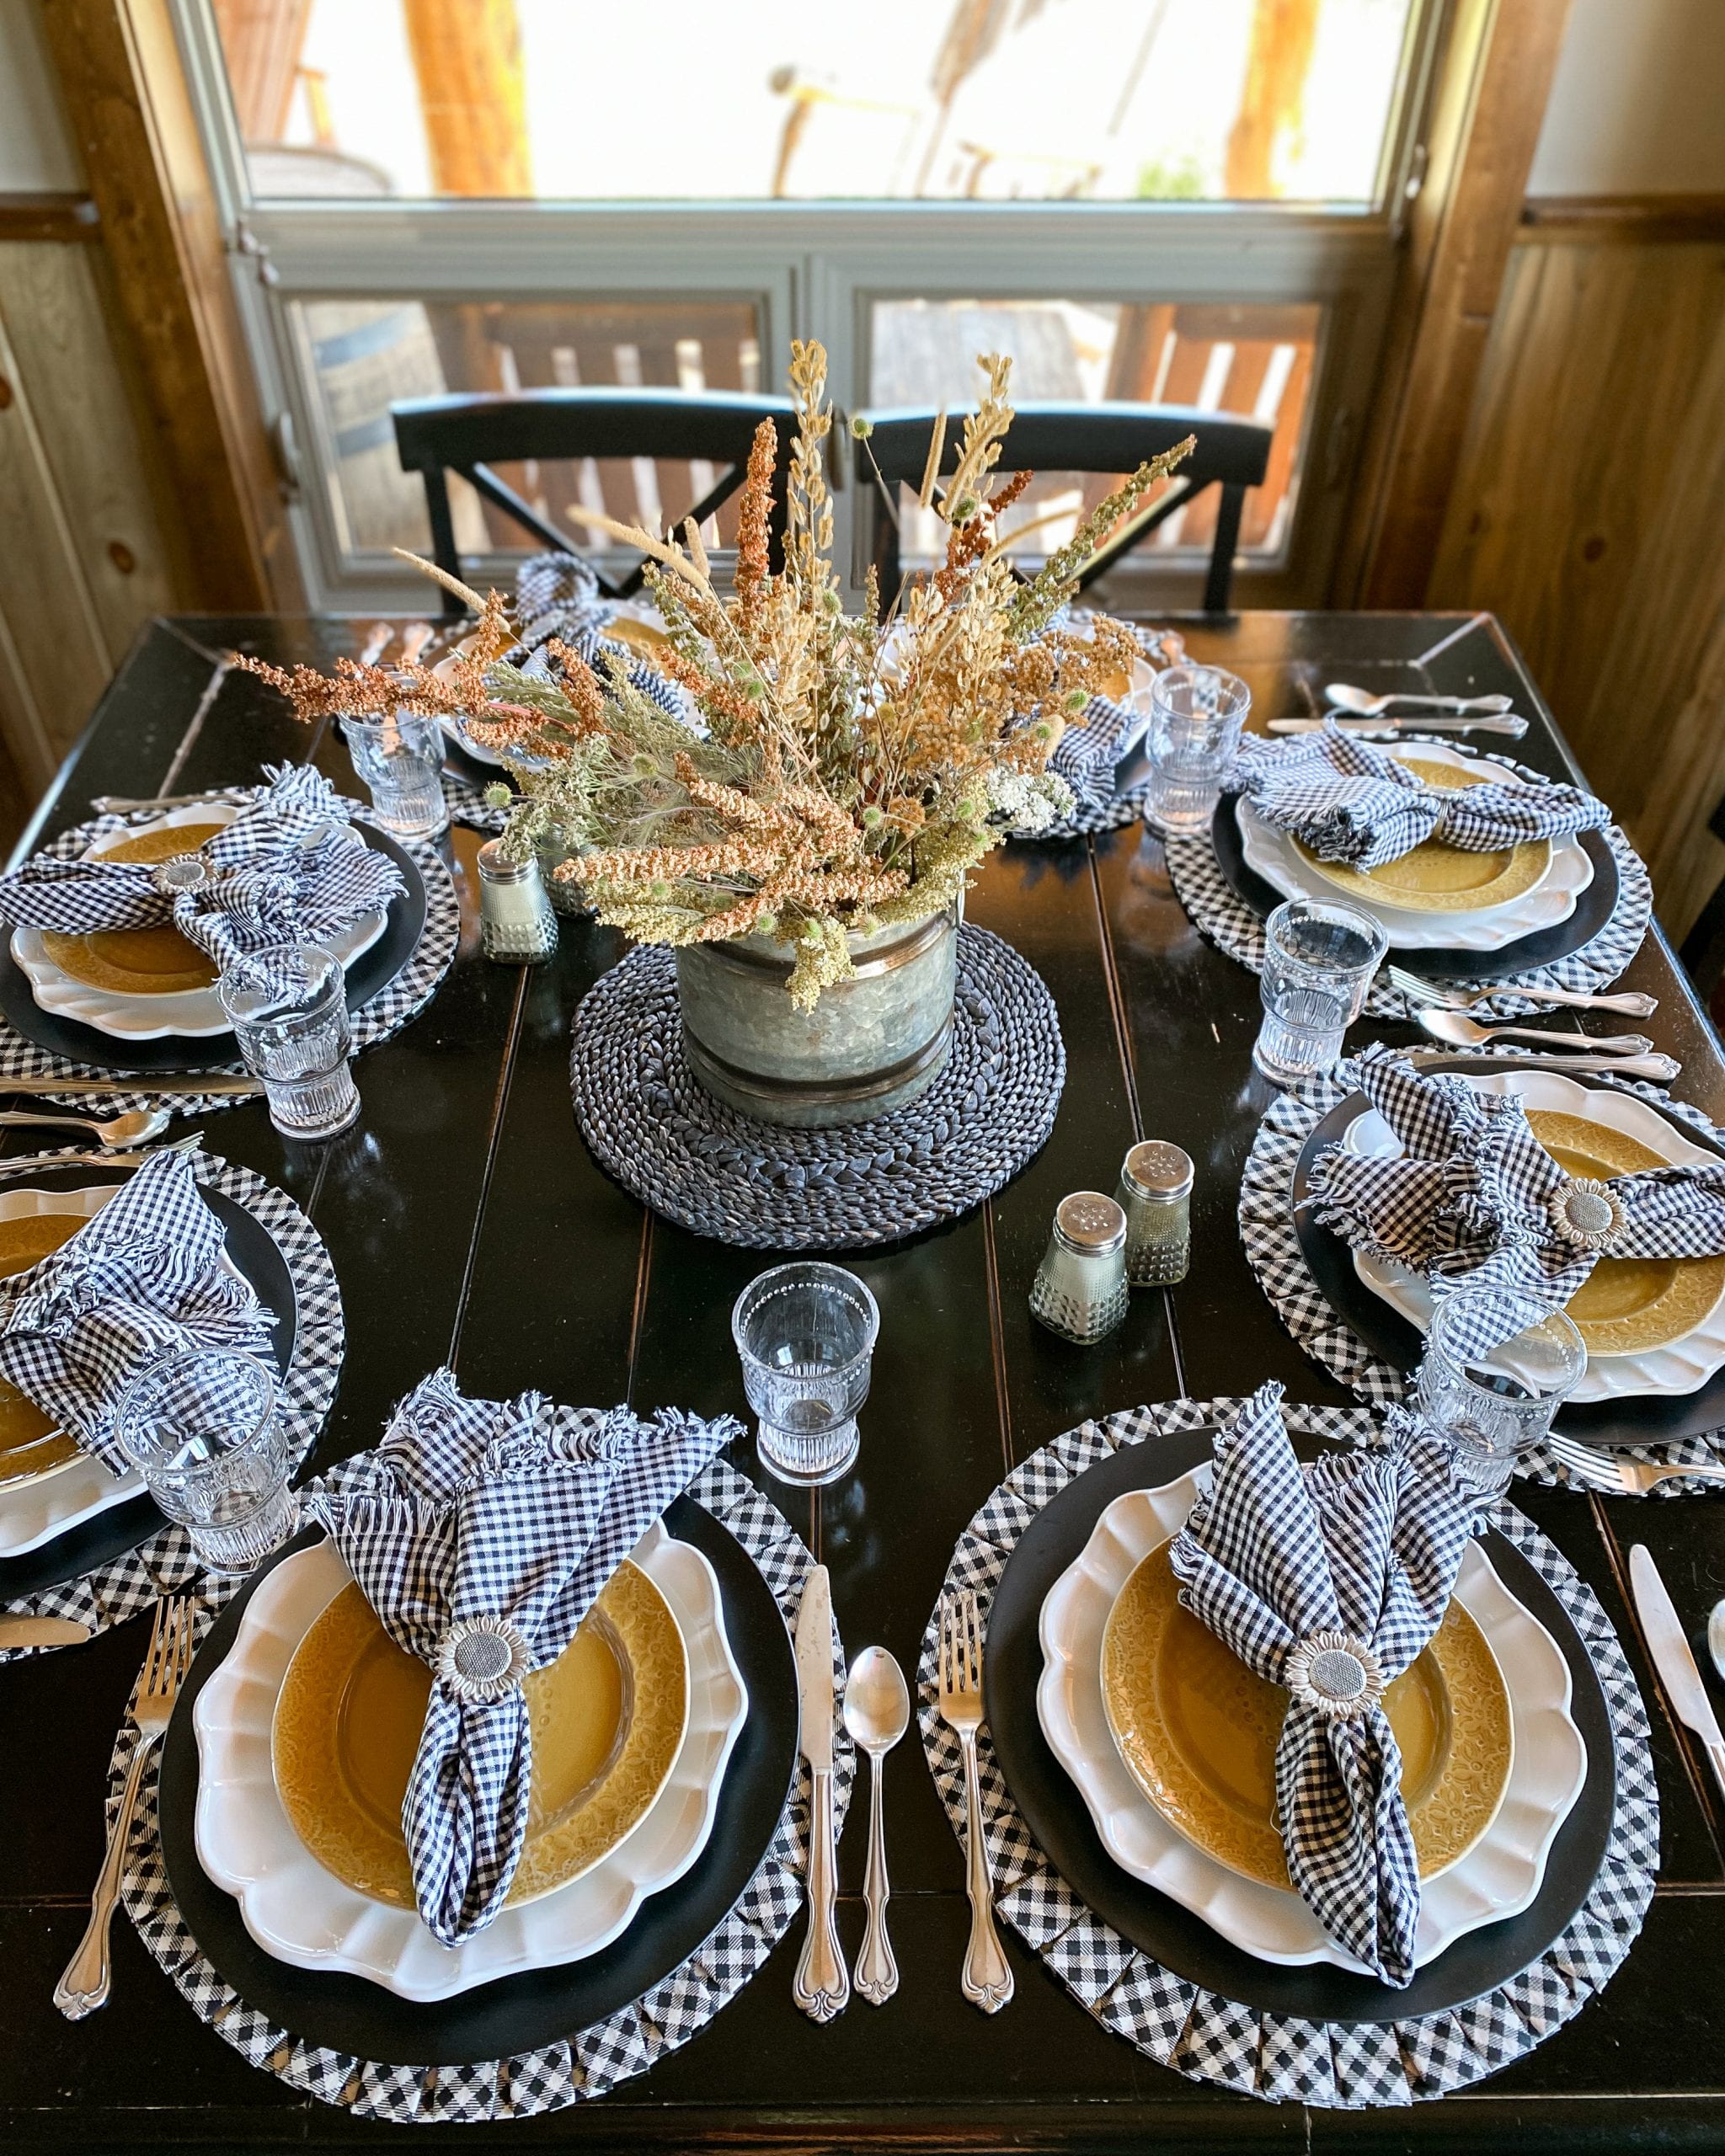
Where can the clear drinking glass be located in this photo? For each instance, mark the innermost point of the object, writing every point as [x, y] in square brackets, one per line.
[806, 1334]
[200, 1427]
[1319, 957]
[401, 760]
[1499, 1364]
[1196, 716]
[288, 1006]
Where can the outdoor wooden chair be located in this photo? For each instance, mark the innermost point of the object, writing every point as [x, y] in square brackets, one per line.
[1232, 453]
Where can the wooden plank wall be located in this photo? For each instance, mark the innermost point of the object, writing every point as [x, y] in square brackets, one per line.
[1586, 510]
[83, 560]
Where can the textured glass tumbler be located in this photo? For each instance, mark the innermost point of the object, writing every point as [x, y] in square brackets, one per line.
[1318, 962]
[1498, 1364]
[288, 1006]
[202, 1428]
[806, 1335]
[401, 760]
[1197, 714]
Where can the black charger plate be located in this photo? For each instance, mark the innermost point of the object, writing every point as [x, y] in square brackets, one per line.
[1058, 1818]
[372, 971]
[1593, 908]
[1651, 1418]
[517, 2014]
[111, 1533]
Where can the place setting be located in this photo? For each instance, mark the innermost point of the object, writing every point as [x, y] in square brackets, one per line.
[1307, 1764]
[130, 980]
[495, 1781]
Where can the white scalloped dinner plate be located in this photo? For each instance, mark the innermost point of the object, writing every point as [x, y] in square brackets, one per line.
[1680, 1366]
[1272, 855]
[303, 1914]
[1499, 1877]
[191, 1014]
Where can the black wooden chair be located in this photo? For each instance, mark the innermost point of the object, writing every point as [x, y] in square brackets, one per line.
[1231, 453]
[1702, 953]
[435, 435]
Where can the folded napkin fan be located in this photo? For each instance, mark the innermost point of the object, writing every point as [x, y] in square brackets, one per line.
[289, 869]
[143, 1278]
[482, 1531]
[1329, 1581]
[1475, 1200]
[1352, 801]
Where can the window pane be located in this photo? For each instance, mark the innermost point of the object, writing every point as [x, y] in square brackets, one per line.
[1254, 359]
[361, 356]
[992, 100]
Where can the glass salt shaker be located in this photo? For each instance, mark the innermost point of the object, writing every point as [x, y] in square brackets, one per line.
[515, 920]
[1079, 1288]
[1155, 1195]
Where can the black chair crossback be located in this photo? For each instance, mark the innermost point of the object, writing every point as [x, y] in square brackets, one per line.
[435, 435]
[1231, 453]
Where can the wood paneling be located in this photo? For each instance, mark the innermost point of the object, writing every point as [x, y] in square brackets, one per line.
[1585, 513]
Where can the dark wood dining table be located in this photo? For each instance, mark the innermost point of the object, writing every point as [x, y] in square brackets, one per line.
[469, 1225]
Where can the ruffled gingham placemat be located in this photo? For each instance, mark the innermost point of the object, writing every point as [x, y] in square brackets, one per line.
[587, 2061]
[1231, 926]
[1273, 1248]
[1199, 2032]
[388, 1011]
[126, 1584]
[761, 1186]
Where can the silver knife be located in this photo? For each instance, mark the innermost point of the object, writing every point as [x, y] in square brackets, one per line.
[1669, 1647]
[190, 1083]
[823, 1985]
[42, 1632]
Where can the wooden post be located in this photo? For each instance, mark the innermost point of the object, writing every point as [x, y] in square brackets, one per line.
[260, 46]
[1277, 63]
[473, 92]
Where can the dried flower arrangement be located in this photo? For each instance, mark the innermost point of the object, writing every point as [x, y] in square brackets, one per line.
[852, 770]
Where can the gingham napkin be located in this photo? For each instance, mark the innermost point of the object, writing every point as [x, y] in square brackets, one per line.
[1475, 1200]
[1089, 750]
[289, 869]
[143, 1278]
[1352, 800]
[558, 596]
[481, 1532]
[1329, 1581]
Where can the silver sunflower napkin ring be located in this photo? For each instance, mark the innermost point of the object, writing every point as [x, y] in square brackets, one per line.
[1335, 1674]
[1585, 1212]
[483, 1659]
[182, 872]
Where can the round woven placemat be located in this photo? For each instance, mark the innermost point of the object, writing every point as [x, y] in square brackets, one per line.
[761, 1186]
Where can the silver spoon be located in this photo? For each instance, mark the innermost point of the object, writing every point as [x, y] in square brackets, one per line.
[876, 1714]
[1463, 1031]
[1715, 1636]
[1345, 697]
[136, 1127]
[1493, 724]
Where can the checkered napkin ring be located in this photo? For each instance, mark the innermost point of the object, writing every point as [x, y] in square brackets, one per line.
[1329, 1581]
[1475, 1199]
[482, 1534]
[289, 869]
[143, 1278]
[1349, 800]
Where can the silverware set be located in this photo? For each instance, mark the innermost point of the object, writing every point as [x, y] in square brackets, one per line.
[1357, 711]
[1661, 1068]
[1616, 1471]
[1631, 1002]
[987, 1978]
[1668, 1646]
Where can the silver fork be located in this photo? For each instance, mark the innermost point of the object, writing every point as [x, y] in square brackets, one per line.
[1616, 1471]
[1631, 1002]
[987, 1979]
[84, 1986]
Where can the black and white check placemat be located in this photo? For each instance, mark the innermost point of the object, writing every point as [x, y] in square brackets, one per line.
[123, 1586]
[1199, 2032]
[387, 1011]
[587, 2062]
[1271, 1245]
[653, 1126]
[1228, 922]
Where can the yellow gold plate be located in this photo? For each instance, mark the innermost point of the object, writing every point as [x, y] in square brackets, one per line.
[638, 636]
[1626, 1305]
[138, 961]
[1198, 1730]
[1439, 878]
[22, 1424]
[607, 1721]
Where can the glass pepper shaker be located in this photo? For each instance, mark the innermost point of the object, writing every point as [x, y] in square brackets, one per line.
[1079, 1288]
[516, 923]
[1155, 1195]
